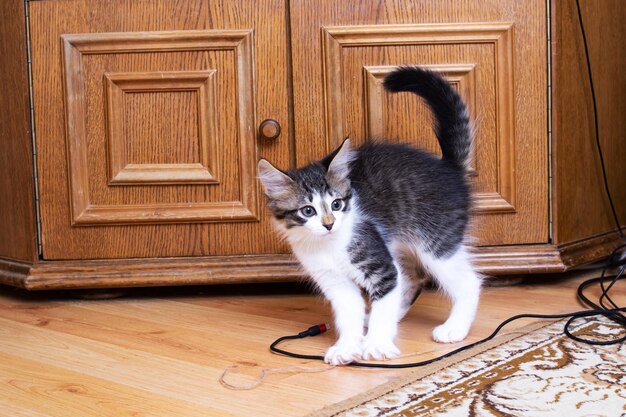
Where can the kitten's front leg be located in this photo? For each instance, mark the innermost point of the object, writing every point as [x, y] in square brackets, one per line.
[383, 322]
[349, 312]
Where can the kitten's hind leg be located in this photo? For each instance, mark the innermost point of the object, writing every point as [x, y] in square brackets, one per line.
[456, 277]
[416, 277]
[409, 295]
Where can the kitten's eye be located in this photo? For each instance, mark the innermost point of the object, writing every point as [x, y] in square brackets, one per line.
[308, 211]
[336, 205]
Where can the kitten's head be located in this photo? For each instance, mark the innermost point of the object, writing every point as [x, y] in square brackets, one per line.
[314, 199]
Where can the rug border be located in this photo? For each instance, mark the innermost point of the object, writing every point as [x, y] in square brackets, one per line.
[333, 409]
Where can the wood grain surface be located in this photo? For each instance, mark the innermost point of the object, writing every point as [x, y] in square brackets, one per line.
[18, 235]
[146, 110]
[162, 352]
[581, 207]
[187, 147]
[154, 272]
[511, 111]
[157, 36]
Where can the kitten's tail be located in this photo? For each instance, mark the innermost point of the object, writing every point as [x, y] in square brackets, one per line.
[452, 122]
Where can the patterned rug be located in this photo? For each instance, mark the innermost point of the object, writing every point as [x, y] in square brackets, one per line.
[536, 371]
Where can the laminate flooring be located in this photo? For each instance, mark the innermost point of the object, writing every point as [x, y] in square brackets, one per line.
[161, 351]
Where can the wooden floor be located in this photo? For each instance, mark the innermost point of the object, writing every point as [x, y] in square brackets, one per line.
[160, 352]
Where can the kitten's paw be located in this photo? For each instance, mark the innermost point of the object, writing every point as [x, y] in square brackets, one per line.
[448, 333]
[343, 353]
[376, 350]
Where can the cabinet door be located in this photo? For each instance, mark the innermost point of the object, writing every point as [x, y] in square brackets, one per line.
[493, 52]
[146, 116]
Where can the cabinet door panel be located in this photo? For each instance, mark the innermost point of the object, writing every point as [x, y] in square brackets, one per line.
[161, 126]
[494, 56]
[153, 151]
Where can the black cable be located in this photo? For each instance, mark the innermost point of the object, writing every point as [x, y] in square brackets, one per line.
[614, 313]
[595, 121]
[612, 262]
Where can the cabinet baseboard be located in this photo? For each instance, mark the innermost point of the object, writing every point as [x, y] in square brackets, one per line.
[150, 272]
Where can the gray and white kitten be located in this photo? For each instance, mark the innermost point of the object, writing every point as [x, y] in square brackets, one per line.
[376, 218]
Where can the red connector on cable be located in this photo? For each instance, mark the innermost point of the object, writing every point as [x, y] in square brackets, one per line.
[314, 330]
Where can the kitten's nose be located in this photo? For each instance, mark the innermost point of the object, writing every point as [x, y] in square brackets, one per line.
[328, 220]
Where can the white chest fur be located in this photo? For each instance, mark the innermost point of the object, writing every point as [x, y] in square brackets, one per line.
[326, 257]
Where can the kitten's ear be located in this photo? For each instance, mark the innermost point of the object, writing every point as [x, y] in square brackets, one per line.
[339, 165]
[274, 180]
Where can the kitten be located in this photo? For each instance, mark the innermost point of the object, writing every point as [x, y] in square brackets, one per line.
[374, 218]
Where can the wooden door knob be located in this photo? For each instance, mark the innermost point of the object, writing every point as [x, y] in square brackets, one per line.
[269, 129]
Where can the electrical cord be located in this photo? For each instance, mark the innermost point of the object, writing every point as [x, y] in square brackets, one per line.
[616, 259]
[613, 314]
[595, 120]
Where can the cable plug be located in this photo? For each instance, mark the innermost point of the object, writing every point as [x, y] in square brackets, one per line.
[314, 330]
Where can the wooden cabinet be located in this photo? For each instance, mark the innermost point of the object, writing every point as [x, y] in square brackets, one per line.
[146, 118]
